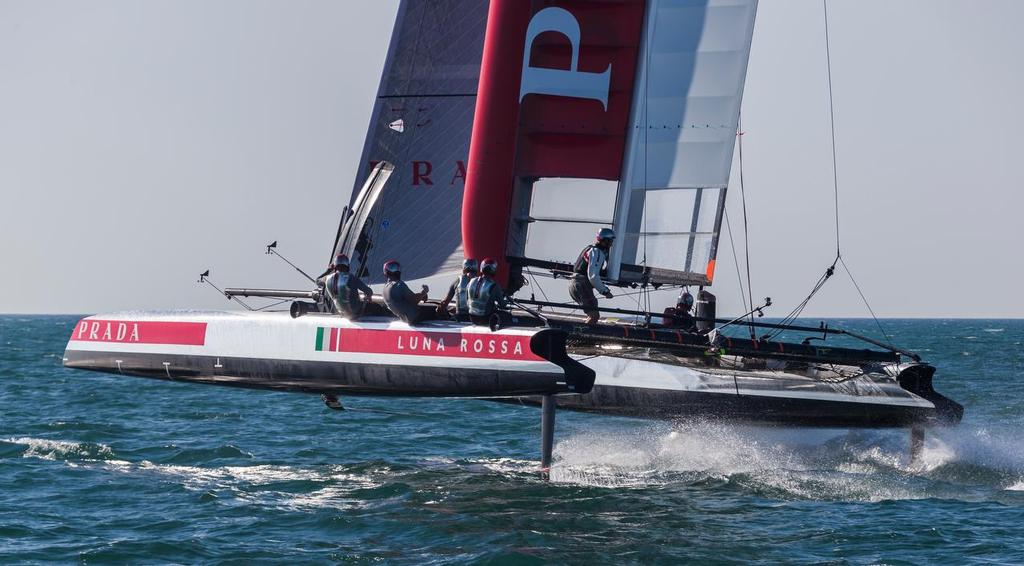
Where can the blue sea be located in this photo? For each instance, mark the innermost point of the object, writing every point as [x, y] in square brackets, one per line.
[99, 469]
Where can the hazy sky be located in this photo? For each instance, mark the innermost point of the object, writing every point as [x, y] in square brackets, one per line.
[143, 142]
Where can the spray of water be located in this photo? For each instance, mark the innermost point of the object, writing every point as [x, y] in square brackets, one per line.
[796, 464]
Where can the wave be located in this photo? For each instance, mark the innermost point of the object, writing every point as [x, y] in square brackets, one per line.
[60, 449]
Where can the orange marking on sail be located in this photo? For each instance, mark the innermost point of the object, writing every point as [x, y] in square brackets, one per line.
[710, 273]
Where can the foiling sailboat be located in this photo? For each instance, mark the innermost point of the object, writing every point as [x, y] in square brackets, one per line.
[479, 105]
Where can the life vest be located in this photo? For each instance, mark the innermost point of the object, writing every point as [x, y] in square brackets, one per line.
[462, 294]
[339, 291]
[480, 303]
[582, 263]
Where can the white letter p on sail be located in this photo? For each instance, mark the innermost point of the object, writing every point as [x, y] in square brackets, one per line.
[559, 82]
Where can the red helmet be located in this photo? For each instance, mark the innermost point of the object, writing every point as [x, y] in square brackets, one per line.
[489, 266]
[392, 268]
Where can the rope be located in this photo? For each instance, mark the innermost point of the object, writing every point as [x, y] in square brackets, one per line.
[536, 285]
[271, 305]
[795, 313]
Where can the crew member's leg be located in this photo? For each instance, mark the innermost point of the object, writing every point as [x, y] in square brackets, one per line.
[583, 294]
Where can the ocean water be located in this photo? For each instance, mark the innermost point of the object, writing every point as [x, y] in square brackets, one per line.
[102, 469]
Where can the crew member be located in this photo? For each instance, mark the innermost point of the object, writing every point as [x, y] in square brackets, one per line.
[459, 290]
[343, 288]
[586, 277]
[679, 316]
[399, 297]
[485, 294]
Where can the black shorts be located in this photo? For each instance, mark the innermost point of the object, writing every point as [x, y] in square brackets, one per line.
[582, 292]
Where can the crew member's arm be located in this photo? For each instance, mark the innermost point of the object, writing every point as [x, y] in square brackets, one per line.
[448, 298]
[498, 297]
[414, 298]
[321, 284]
[595, 260]
[362, 287]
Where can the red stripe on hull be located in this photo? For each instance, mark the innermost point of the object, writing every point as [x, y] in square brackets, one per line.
[140, 332]
[332, 344]
[439, 344]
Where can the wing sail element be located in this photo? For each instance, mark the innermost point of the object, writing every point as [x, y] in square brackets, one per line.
[643, 93]
[354, 236]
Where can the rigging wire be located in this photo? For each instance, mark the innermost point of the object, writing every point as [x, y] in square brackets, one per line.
[647, 129]
[795, 313]
[746, 232]
[863, 298]
[732, 246]
[832, 118]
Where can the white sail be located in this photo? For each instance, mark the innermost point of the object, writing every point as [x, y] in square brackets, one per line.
[686, 104]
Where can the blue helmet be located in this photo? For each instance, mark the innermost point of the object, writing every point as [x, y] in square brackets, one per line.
[685, 299]
[470, 265]
[341, 260]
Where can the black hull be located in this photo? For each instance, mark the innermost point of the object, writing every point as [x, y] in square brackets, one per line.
[324, 377]
[747, 409]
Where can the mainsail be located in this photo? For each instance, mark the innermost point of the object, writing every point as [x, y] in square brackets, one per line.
[643, 93]
[421, 124]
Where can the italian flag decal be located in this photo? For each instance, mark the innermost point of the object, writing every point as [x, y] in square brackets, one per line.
[328, 339]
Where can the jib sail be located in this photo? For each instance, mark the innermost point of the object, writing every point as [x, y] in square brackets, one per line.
[421, 124]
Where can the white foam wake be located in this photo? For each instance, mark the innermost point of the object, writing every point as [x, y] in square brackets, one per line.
[795, 463]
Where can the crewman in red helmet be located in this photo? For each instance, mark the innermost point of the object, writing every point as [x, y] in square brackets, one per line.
[343, 289]
[586, 274]
[485, 294]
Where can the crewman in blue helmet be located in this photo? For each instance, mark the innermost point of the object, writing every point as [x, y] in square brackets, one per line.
[485, 294]
[459, 290]
[679, 316]
[586, 274]
[399, 297]
[343, 289]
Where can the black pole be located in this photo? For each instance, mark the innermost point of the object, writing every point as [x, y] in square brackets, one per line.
[547, 432]
[717, 320]
[740, 322]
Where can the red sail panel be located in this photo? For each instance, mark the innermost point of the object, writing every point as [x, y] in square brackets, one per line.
[575, 91]
[571, 136]
[487, 198]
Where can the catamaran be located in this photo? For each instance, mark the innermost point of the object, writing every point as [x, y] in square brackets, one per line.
[479, 108]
